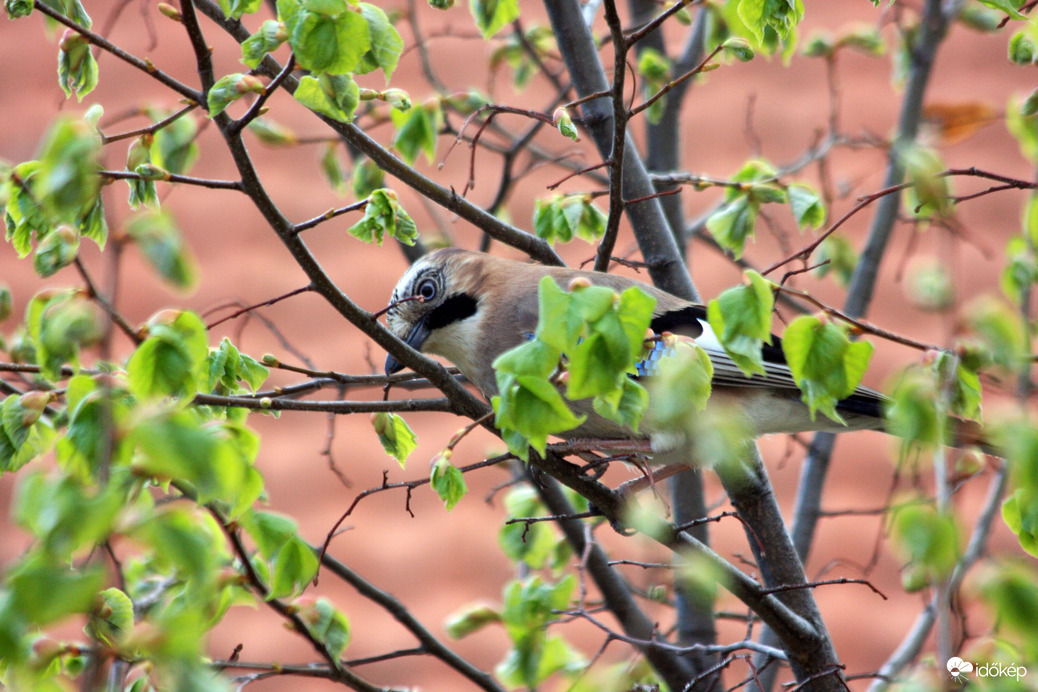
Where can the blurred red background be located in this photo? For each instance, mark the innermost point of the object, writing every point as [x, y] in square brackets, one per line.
[437, 562]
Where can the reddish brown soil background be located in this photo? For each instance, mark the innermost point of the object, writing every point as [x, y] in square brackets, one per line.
[437, 562]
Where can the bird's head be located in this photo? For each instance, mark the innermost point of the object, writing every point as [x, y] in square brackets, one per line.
[435, 305]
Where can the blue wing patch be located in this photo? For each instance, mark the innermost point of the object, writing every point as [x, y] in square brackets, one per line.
[650, 364]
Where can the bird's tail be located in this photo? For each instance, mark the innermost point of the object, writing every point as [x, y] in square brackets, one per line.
[866, 412]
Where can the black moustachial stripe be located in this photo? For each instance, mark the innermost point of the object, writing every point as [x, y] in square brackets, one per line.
[454, 309]
[684, 321]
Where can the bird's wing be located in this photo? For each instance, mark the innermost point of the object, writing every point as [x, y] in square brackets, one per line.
[691, 321]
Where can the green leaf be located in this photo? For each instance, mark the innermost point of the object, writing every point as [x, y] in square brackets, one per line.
[35, 580]
[327, 36]
[733, 224]
[111, 621]
[186, 544]
[416, 130]
[270, 36]
[447, 480]
[367, 177]
[739, 49]
[561, 217]
[180, 446]
[837, 256]
[328, 625]
[331, 167]
[386, 44]
[1007, 6]
[1024, 128]
[175, 149]
[529, 543]
[77, 68]
[272, 133]
[396, 437]
[912, 414]
[61, 324]
[493, 15]
[1010, 593]
[781, 16]
[383, 215]
[5, 302]
[270, 530]
[470, 620]
[19, 413]
[236, 9]
[528, 607]
[923, 168]
[808, 208]
[335, 96]
[294, 568]
[625, 406]
[532, 407]
[156, 235]
[927, 539]
[67, 516]
[681, 388]
[1001, 330]
[1020, 514]
[826, 365]
[229, 89]
[56, 251]
[16, 9]
[67, 183]
[741, 318]
[172, 360]
[142, 191]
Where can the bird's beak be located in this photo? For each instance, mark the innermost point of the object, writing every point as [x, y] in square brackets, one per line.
[415, 338]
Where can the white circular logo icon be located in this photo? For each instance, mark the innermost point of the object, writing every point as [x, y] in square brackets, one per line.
[957, 667]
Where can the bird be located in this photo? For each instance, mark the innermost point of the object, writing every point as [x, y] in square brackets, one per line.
[470, 307]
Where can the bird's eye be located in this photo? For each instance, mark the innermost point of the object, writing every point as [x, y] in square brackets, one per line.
[426, 290]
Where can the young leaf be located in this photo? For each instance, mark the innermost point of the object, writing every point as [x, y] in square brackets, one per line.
[396, 437]
[733, 224]
[77, 68]
[383, 215]
[327, 36]
[294, 567]
[493, 15]
[416, 130]
[270, 35]
[923, 168]
[172, 361]
[112, 623]
[327, 625]
[386, 44]
[808, 208]
[447, 480]
[741, 318]
[58, 249]
[175, 149]
[156, 235]
[67, 183]
[681, 388]
[532, 407]
[336, 96]
[229, 89]
[826, 365]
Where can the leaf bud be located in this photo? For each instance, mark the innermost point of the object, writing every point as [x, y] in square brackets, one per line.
[170, 11]
[579, 282]
[397, 98]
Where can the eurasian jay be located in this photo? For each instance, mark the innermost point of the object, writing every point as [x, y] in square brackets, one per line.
[470, 307]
